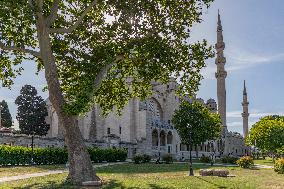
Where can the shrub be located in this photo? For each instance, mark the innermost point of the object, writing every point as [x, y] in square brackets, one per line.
[214, 172]
[245, 162]
[146, 158]
[279, 166]
[167, 159]
[141, 158]
[229, 159]
[138, 159]
[204, 159]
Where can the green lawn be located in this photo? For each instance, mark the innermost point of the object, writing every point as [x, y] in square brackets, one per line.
[266, 161]
[20, 170]
[173, 176]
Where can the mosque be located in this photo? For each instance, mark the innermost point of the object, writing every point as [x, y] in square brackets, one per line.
[145, 126]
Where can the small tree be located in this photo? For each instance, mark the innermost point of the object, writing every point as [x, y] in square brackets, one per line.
[31, 112]
[6, 118]
[268, 134]
[195, 124]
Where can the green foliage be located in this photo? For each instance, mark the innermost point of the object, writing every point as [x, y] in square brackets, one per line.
[18, 155]
[144, 158]
[149, 36]
[109, 155]
[168, 158]
[6, 118]
[279, 166]
[32, 112]
[195, 120]
[205, 159]
[137, 159]
[229, 159]
[245, 162]
[268, 134]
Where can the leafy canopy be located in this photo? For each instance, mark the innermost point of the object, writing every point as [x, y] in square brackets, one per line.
[195, 120]
[32, 112]
[268, 134]
[114, 53]
[6, 118]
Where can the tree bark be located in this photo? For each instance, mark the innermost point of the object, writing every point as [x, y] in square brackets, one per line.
[80, 169]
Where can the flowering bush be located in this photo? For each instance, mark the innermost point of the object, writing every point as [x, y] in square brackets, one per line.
[279, 166]
[245, 162]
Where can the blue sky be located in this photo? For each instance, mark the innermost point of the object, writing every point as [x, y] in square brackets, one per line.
[254, 37]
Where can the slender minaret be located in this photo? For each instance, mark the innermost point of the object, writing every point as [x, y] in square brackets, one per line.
[221, 74]
[245, 113]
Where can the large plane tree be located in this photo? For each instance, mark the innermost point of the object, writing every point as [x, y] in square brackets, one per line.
[105, 52]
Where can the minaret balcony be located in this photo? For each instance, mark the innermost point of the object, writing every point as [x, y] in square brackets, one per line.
[245, 114]
[221, 74]
[245, 103]
[220, 60]
[220, 45]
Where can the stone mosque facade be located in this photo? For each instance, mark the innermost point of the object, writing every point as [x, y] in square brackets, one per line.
[145, 126]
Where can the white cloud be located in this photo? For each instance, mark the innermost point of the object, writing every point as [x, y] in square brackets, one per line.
[253, 114]
[239, 59]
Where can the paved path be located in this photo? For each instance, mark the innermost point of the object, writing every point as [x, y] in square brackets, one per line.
[32, 175]
[263, 166]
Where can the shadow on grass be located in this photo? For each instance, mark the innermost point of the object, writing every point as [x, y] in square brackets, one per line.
[48, 185]
[116, 184]
[212, 183]
[148, 168]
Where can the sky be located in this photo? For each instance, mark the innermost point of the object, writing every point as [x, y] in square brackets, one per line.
[253, 33]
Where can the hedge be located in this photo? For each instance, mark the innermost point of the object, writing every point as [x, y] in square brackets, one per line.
[18, 155]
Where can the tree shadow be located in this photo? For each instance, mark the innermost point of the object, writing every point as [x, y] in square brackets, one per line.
[49, 185]
[212, 183]
[148, 168]
[117, 184]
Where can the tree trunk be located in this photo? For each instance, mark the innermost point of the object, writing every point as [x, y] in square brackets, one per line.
[190, 162]
[81, 168]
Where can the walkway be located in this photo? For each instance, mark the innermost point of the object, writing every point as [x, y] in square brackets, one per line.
[32, 175]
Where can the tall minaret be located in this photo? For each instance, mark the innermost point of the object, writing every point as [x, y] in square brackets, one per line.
[221, 74]
[245, 113]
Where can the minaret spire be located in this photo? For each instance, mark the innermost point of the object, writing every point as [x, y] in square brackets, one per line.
[245, 113]
[221, 74]
[245, 89]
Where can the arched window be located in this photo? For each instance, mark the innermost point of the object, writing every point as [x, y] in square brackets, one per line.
[169, 137]
[155, 109]
[155, 140]
[163, 138]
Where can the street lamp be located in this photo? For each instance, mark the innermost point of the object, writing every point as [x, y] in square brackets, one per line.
[190, 149]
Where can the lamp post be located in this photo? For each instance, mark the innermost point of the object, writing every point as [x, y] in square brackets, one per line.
[190, 149]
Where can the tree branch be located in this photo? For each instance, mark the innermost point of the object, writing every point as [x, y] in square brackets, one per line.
[76, 24]
[101, 75]
[53, 13]
[13, 48]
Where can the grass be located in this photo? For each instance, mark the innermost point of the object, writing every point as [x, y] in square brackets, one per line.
[20, 170]
[172, 176]
[266, 161]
